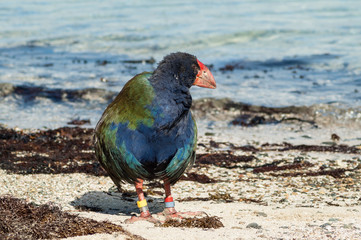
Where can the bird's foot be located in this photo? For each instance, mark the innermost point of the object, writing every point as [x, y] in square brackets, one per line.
[134, 219]
[143, 217]
[171, 213]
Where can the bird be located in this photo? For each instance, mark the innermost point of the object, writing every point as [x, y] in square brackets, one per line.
[148, 132]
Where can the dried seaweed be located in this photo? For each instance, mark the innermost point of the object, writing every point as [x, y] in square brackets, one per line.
[205, 222]
[221, 197]
[341, 148]
[336, 173]
[62, 150]
[275, 168]
[22, 220]
[225, 160]
[225, 197]
[250, 200]
[201, 178]
[190, 199]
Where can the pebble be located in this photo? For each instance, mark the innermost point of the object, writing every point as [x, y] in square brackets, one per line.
[261, 214]
[254, 225]
[326, 226]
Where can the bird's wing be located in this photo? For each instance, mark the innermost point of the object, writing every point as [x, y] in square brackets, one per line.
[120, 163]
[122, 117]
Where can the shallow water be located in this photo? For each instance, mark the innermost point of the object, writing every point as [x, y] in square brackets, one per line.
[271, 53]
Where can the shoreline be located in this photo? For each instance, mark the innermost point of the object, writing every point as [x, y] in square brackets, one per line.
[233, 112]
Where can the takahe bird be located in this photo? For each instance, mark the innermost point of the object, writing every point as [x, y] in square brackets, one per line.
[148, 131]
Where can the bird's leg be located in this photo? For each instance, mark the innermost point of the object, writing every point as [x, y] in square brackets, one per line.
[143, 206]
[169, 210]
[168, 201]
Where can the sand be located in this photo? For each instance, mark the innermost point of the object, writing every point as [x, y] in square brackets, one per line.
[309, 194]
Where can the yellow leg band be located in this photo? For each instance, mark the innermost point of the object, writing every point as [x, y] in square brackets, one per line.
[142, 203]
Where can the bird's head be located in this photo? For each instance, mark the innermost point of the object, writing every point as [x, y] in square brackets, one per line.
[187, 70]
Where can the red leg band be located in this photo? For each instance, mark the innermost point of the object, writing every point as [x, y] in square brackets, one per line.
[168, 199]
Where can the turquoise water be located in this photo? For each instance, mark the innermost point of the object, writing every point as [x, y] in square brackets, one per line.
[282, 52]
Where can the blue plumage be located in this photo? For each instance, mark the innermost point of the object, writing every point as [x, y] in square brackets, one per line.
[146, 152]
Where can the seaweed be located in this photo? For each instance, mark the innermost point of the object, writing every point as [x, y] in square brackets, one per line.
[205, 222]
[225, 160]
[201, 178]
[336, 173]
[274, 168]
[62, 150]
[217, 196]
[339, 148]
[22, 220]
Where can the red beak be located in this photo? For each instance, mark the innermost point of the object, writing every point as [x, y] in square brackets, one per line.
[204, 77]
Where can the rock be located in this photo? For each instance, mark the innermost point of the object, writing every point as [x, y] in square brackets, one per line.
[254, 225]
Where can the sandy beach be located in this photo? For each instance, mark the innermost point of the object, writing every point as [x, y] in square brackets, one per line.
[270, 181]
[278, 154]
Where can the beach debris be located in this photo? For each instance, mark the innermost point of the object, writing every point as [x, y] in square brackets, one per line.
[204, 222]
[254, 225]
[335, 137]
[23, 220]
[201, 178]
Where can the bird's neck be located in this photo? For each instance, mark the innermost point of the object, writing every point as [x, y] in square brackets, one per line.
[172, 103]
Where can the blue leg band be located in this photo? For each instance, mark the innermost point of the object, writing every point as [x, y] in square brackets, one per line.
[169, 204]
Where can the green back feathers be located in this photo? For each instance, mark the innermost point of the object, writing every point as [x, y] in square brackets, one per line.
[135, 96]
[129, 107]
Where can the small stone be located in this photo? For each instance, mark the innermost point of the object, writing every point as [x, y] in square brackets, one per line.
[261, 214]
[254, 225]
[334, 219]
[326, 226]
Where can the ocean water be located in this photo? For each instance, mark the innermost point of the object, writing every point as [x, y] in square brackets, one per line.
[63, 60]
